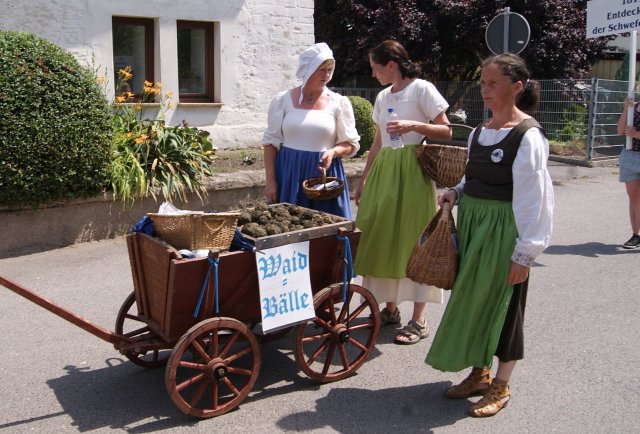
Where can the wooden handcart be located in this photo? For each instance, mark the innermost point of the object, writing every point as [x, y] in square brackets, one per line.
[212, 360]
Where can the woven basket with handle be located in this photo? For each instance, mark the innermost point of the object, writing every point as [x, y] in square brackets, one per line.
[434, 259]
[323, 193]
[196, 231]
[444, 162]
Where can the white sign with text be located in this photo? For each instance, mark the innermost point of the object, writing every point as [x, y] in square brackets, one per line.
[610, 17]
[285, 285]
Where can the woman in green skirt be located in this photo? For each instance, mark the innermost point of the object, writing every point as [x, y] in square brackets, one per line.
[395, 199]
[504, 221]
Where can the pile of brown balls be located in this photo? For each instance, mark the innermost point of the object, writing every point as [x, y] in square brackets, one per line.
[263, 220]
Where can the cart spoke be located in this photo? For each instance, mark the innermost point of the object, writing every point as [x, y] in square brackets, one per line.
[192, 365]
[343, 357]
[318, 351]
[199, 348]
[193, 380]
[329, 307]
[137, 332]
[322, 323]
[197, 395]
[315, 337]
[354, 314]
[231, 386]
[355, 343]
[363, 326]
[237, 355]
[214, 394]
[133, 317]
[327, 362]
[247, 372]
[345, 306]
[234, 338]
[215, 342]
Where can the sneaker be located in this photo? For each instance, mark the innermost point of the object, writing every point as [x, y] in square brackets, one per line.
[633, 242]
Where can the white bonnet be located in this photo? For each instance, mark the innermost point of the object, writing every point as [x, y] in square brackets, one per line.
[311, 59]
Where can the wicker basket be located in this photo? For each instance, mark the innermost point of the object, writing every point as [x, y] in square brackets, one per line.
[324, 193]
[196, 231]
[434, 259]
[444, 164]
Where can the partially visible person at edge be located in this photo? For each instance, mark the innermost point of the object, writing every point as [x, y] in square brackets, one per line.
[395, 199]
[630, 169]
[504, 222]
[309, 128]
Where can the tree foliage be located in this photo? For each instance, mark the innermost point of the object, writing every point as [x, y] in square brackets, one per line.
[447, 37]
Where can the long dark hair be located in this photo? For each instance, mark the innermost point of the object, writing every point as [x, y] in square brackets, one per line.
[390, 50]
[514, 66]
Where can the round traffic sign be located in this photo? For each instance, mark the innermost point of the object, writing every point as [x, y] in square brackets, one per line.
[507, 33]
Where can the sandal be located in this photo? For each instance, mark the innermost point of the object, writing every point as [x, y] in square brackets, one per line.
[388, 317]
[496, 398]
[412, 333]
[476, 384]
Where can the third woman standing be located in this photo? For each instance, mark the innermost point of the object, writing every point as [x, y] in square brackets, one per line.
[395, 199]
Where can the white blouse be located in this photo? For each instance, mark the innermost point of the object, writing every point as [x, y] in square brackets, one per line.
[419, 101]
[533, 198]
[311, 130]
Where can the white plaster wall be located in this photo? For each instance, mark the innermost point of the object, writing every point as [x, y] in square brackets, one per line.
[259, 42]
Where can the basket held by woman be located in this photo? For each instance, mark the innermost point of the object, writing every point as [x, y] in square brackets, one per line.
[434, 259]
[323, 188]
[444, 163]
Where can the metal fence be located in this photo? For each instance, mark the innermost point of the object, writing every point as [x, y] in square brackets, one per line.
[578, 116]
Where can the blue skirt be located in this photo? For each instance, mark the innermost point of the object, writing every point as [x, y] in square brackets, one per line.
[294, 166]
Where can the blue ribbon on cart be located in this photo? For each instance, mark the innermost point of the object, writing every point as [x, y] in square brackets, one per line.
[214, 265]
[347, 271]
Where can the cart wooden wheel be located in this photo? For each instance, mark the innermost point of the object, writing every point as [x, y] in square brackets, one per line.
[213, 367]
[339, 339]
[129, 324]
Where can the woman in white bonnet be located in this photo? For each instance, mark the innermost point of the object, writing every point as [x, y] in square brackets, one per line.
[309, 128]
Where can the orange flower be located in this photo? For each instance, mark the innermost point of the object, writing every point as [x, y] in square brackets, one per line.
[141, 138]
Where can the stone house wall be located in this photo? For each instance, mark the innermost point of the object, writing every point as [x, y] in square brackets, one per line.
[257, 43]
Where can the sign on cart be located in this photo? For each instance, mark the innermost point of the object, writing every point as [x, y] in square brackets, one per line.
[285, 285]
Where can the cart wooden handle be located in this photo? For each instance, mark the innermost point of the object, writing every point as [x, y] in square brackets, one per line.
[63, 313]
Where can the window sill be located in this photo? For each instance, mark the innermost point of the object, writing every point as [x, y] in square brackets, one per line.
[200, 104]
[138, 104]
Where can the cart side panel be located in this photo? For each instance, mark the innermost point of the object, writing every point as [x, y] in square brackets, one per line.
[136, 274]
[152, 259]
[326, 265]
[237, 291]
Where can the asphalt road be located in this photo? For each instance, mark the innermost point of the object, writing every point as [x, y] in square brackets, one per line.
[580, 373]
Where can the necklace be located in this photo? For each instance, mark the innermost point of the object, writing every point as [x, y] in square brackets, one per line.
[310, 100]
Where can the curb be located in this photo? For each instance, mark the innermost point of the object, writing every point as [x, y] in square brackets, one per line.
[30, 230]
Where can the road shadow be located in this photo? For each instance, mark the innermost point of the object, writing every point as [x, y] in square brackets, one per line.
[591, 250]
[399, 409]
[124, 396]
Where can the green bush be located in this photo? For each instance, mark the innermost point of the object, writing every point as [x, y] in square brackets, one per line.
[55, 124]
[574, 120]
[365, 125]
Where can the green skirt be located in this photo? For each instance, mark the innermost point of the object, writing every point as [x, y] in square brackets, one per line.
[470, 329]
[397, 202]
